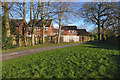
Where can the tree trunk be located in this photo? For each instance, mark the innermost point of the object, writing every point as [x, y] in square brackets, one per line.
[103, 34]
[59, 33]
[25, 32]
[99, 36]
[25, 40]
[33, 43]
[36, 39]
[39, 40]
[20, 42]
[43, 37]
[7, 22]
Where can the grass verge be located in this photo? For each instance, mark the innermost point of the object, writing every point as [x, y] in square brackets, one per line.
[96, 60]
[36, 46]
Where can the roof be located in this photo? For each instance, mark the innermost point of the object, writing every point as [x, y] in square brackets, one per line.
[39, 23]
[82, 31]
[68, 27]
[55, 30]
[16, 22]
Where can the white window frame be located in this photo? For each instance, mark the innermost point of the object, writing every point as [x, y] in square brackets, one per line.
[46, 28]
[45, 35]
[29, 28]
[73, 31]
[37, 28]
[70, 31]
[37, 35]
[62, 31]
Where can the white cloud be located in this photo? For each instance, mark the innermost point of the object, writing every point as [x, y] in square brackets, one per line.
[71, 24]
[27, 20]
[82, 26]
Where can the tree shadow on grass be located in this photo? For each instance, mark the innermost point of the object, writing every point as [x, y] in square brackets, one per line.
[103, 45]
[115, 57]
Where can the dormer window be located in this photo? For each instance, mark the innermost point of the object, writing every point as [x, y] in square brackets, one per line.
[62, 31]
[29, 28]
[46, 28]
[37, 28]
[73, 31]
[70, 31]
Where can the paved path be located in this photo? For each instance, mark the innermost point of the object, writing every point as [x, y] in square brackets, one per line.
[16, 54]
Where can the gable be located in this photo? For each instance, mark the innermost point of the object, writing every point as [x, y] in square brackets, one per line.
[39, 23]
[68, 27]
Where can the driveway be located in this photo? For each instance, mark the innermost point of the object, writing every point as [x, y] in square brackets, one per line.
[16, 54]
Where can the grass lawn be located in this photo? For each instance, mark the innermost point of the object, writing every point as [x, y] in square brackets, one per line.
[36, 46]
[96, 60]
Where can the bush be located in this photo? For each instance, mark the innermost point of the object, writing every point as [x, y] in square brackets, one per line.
[6, 41]
[95, 36]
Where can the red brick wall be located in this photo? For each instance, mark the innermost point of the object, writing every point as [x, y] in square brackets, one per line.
[19, 29]
[48, 32]
[67, 33]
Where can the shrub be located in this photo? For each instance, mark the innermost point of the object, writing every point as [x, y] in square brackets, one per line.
[95, 36]
[7, 42]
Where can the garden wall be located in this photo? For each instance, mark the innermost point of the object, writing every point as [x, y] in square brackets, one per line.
[76, 38]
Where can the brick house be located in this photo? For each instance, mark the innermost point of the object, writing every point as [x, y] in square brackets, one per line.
[18, 25]
[69, 30]
[55, 31]
[39, 28]
[81, 32]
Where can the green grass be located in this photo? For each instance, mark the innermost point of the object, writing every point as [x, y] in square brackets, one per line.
[95, 60]
[36, 46]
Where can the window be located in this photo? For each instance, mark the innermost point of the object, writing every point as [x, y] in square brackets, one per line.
[62, 31]
[37, 35]
[73, 31]
[29, 28]
[70, 31]
[45, 35]
[46, 28]
[37, 28]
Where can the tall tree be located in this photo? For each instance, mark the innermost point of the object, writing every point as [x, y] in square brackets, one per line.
[98, 13]
[25, 23]
[60, 9]
[6, 12]
[66, 13]
[20, 10]
[45, 12]
[34, 12]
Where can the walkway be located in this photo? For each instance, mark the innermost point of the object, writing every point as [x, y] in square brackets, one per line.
[16, 54]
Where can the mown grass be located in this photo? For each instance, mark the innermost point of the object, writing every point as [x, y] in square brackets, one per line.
[36, 46]
[96, 60]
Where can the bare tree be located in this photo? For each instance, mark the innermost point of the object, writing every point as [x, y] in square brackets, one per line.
[66, 13]
[60, 9]
[45, 14]
[6, 12]
[97, 12]
[20, 10]
[25, 24]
